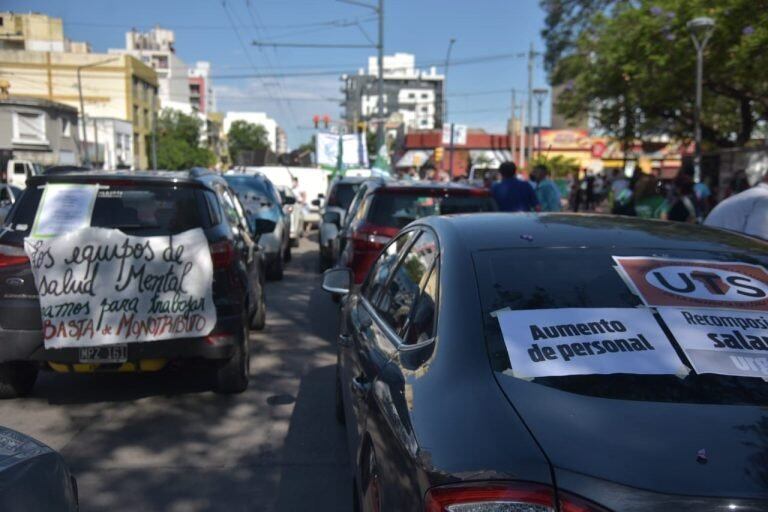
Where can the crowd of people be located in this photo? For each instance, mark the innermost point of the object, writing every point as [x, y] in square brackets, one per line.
[644, 195]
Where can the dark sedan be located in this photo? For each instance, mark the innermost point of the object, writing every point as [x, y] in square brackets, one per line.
[514, 362]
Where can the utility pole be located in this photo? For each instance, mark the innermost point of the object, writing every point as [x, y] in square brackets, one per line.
[540, 95]
[529, 119]
[154, 130]
[445, 105]
[87, 159]
[512, 127]
[701, 30]
[522, 135]
[380, 78]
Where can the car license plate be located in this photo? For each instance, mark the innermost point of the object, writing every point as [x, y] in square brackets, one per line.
[105, 354]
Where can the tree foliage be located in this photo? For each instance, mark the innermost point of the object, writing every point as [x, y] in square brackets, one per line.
[559, 166]
[178, 142]
[245, 136]
[632, 66]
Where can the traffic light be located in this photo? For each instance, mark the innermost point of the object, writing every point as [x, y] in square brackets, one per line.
[439, 154]
[316, 120]
[326, 120]
[361, 126]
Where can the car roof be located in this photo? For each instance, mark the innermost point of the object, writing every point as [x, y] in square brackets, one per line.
[382, 184]
[195, 176]
[487, 231]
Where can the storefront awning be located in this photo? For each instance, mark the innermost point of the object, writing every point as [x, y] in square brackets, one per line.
[414, 158]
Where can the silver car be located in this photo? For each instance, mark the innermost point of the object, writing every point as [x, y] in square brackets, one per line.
[8, 196]
[341, 191]
[294, 213]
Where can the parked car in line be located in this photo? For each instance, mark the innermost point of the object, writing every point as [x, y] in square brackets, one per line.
[382, 207]
[341, 192]
[313, 181]
[262, 201]
[294, 213]
[437, 421]
[17, 171]
[169, 202]
[33, 476]
[9, 194]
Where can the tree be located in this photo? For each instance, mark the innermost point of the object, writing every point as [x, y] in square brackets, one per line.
[632, 66]
[245, 136]
[178, 142]
[559, 166]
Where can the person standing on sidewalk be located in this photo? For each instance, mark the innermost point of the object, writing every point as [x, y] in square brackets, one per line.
[513, 194]
[546, 191]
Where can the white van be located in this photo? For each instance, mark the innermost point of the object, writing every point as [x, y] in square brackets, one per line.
[312, 180]
[17, 172]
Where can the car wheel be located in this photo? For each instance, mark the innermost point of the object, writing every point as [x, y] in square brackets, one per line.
[232, 377]
[339, 401]
[275, 270]
[259, 317]
[17, 378]
[287, 253]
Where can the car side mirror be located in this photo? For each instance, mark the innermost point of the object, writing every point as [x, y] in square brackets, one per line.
[315, 202]
[289, 200]
[332, 218]
[262, 226]
[337, 280]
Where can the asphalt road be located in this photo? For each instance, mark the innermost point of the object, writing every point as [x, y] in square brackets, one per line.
[166, 442]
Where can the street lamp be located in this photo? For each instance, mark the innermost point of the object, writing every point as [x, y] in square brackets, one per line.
[540, 95]
[701, 30]
[445, 103]
[82, 108]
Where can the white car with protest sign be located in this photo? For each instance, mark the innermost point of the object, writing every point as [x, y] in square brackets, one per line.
[126, 272]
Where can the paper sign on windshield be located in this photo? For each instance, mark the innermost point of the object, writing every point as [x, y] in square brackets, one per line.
[585, 341]
[100, 286]
[64, 208]
[723, 342]
[696, 284]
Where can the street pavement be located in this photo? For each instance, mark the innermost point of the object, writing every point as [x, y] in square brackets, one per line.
[166, 442]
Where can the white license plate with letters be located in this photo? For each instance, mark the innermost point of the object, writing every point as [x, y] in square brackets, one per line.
[105, 354]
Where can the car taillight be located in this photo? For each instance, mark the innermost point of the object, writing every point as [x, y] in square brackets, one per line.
[222, 254]
[369, 241]
[507, 497]
[10, 256]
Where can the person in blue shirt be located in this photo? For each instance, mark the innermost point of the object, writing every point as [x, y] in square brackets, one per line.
[513, 194]
[546, 190]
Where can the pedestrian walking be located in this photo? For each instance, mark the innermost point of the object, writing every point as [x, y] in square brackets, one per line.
[513, 194]
[546, 190]
[745, 212]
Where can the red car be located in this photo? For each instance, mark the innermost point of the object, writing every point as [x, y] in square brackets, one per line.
[382, 208]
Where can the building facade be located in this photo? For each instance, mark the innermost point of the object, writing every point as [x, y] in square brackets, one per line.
[156, 49]
[110, 143]
[113, 86]
[36, 32]
[201, 94]
[411, 96]
[40, 131]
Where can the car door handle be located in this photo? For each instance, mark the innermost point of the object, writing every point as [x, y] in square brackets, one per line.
[360, 386]
[345, 340]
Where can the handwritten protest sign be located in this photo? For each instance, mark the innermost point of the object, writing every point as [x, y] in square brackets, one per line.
[64, 207]
[100, 286]
[721, 341]
[586, 341]
[696, 283]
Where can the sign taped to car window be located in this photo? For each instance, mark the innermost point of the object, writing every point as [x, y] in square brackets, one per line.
[695, 283]
[64, 207]
[725, 342]
[587, 341]
[100, 286]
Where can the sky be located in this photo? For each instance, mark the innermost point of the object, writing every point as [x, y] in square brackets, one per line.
[480, 80]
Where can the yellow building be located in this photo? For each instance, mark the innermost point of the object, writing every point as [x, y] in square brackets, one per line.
[114, 86]
[37, 32]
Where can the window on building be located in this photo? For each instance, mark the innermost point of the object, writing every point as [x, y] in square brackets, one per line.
[425, 109]
[136, 145]
[66, 127]
[424, 96]
[411, 95]
[424, 122]
[29, 128]
[147, 119]
[161, 62]
[135, 115]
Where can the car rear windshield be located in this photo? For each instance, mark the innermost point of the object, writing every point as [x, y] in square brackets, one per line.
[343, 194]
[397, 210]
[143, 210]
[523, 279]
[244, 184]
